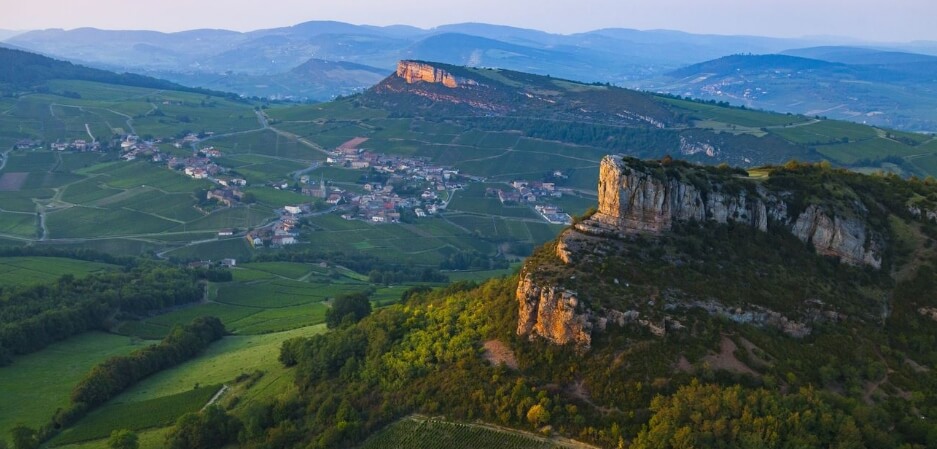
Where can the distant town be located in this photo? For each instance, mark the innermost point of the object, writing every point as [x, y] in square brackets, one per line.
[392, 187]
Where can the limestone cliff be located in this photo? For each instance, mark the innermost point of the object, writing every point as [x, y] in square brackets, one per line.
[414, 72]
[553, 313]
[635, 199]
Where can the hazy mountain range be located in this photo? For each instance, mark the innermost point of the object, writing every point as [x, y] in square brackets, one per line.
[885, 84]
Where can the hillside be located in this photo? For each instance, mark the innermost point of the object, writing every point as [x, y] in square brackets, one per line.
[637, 123]
[790, 302]
[610, 55]
[21, 69]
[880, 88]
[315, 79]
[643, 326]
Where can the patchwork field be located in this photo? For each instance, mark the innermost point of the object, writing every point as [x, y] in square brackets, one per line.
[34, 270]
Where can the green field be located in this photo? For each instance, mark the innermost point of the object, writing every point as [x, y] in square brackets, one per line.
[160, 412]
[148, 439]
[41, 382]
[186, 387]
[431, 433]
[741, 117]
[265, 297]
[222, 362]
[34, 270]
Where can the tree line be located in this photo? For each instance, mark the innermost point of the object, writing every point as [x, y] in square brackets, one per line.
[116, 374]
[32, 317]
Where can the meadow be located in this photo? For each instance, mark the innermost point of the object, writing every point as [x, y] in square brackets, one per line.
[160, 412]
[187, 387]
[35, 270]
[41, 382]
[264, 298]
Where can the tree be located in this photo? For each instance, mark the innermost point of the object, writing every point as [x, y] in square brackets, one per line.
[353, 307]
[538, 415]
[123, 439]
[24, 437]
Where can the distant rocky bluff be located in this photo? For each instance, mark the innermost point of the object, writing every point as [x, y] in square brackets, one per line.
[637, 197]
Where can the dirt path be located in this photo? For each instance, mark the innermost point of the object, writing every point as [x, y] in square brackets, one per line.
[129, 120]
[3, 158]
[88, 129]
[217, 396]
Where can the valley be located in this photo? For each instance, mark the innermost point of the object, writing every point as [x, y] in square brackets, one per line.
[590, 266]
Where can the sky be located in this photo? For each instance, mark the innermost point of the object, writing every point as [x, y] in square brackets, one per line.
[866, 20]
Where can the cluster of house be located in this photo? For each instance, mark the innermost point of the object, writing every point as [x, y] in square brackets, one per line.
[331, 195]
[553, 214]
[199, 166]
[75, 145]
[526, 192]
[281, 232]
[27, 144]
[530, 192]
[229, 196]
[410, 168]
[190, 139]
[132, 147]
[380, 202]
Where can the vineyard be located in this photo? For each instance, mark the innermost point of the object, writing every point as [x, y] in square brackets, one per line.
[428, 433]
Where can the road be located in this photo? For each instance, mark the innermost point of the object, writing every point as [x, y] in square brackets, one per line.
[88, 129]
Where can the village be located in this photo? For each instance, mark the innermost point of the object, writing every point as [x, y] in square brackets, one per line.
[532, 193]
[392, 188]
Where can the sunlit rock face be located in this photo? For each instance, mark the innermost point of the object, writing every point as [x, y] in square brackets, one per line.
[414, 72]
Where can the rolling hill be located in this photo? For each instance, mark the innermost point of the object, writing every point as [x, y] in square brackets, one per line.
[700, 303]
[642, 124]
[882, 88]
[610, 55]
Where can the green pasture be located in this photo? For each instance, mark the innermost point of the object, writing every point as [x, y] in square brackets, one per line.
[34, 270]
[159, 412]
[41, 382]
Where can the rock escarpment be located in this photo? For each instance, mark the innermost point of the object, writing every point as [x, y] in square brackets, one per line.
[552, 313]
[414, 72]
[634, 199]
[649, 198]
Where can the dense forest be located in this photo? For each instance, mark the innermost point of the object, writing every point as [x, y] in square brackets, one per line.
[424, 356]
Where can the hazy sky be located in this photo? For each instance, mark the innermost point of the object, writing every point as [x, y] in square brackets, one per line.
[896, 20]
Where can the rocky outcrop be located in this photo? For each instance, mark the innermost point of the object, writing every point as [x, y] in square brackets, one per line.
[845, 238]
[640, 197]
[632, 199]
[642, 201]
[552, 313]
[414, 72]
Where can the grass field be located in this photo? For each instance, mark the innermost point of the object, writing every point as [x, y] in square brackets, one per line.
[748, 118]
[148, 439]
[33, 270]
[222, 361]
[41, 382]
[431, 433]
[264, 298]
[160, 412]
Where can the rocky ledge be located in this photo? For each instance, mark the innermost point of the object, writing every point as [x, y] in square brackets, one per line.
[635, 199]
[638, 197]
[415, 72]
